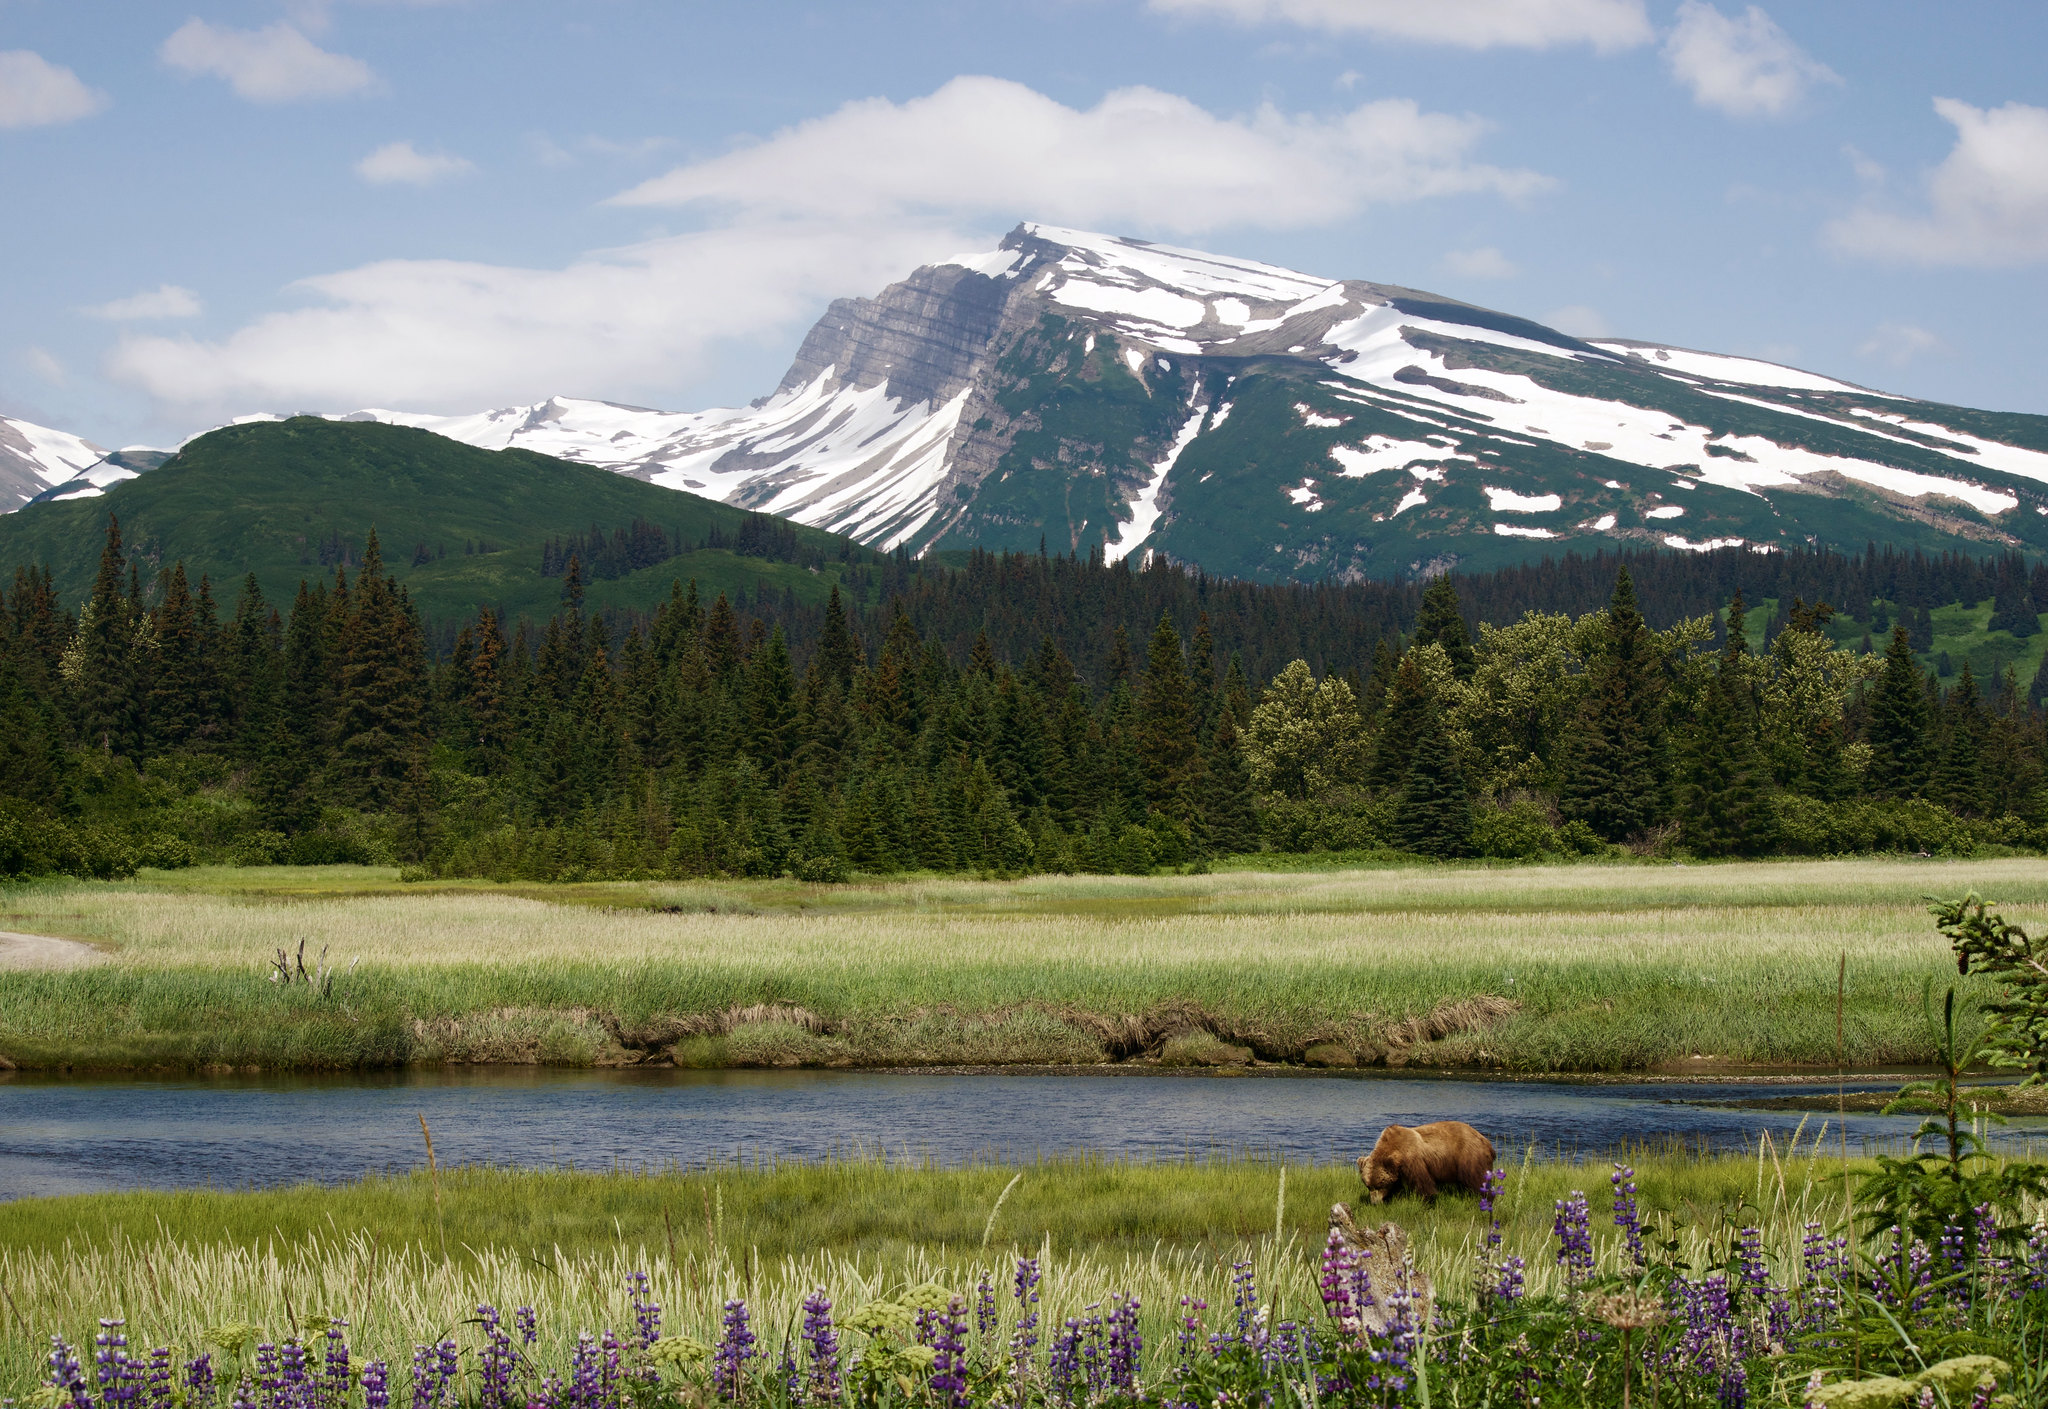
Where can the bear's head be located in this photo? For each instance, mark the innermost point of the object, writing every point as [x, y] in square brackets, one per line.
[1379, 1177]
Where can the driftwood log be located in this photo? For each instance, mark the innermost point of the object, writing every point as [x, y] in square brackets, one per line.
[1390, 1267]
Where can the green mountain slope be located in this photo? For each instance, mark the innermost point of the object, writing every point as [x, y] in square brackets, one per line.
[460, 527]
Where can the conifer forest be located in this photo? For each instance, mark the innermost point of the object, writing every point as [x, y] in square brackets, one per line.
[1015, 714]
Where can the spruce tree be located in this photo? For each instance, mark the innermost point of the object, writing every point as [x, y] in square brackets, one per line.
[1441, 623]
[1410, 707]
[177, 707]
[1229, 823]
[1167, 737]
[1614, 766]
[109, 714]
[1434, 813]
[382, 695]
[1898, 725]
[1722, 808]
[1958, 782]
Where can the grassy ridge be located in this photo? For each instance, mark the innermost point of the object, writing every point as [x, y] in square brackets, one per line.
[261, 498]
[174, 1263]
[1567, 968]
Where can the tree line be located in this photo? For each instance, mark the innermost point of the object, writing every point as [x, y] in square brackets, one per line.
[700, 738]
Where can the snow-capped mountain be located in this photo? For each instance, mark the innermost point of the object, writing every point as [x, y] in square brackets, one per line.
[34, 459]
[1088, 391]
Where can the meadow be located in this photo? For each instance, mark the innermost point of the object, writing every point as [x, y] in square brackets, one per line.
[406, 1265]
[1575, 968]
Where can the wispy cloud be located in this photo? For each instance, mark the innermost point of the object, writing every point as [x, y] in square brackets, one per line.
[1579, 321]
[1744, 66]
[1900, 343]
[164, 301]
[1606, 25]
[37, 93]
[1485, 262]
[401, 163]
[275, 64]
[1987, 203]
[1139, 158]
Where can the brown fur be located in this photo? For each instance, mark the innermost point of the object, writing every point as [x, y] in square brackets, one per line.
[1425, 1158]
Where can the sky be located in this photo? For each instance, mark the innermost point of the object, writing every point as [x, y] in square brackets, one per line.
[225, 207]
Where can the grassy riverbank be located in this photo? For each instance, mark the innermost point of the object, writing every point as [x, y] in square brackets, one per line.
[175, 1263]
[1566, 968]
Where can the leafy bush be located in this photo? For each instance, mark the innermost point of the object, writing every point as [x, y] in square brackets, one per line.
[1519, 831]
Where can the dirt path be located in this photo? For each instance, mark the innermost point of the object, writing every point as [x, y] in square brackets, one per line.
[40, 951]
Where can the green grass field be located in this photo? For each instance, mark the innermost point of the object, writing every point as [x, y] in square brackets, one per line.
[1568, 968]
[176, 1263]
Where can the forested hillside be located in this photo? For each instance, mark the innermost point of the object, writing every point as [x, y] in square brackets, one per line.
[1004, 717]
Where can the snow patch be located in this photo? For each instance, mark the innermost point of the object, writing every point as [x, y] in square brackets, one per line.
[1604, 522]
[1410, 500]
[1668, 511]
[1145, 508]
[1158, 306]
[1706, 546]
[1507, 500]
[1509, 530]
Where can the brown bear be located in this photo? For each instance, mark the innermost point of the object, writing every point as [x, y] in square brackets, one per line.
[1424, 1158]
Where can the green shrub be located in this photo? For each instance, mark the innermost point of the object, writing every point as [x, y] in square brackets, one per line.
[1519, 831]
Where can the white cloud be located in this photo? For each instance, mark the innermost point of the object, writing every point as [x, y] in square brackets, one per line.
[37, 93]
[1485, 262]
[1140, 160]
[1746, 67]
[45, 365]
[1579, 321]
[164, 301]
[403, 163]
[1900, 343]
[276, 64]
[838, 206]
[1607, 25]
[440, 335]
[1987, 203]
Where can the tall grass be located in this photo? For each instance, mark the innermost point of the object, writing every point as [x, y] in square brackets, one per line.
[1611, 967]
[563, 1242]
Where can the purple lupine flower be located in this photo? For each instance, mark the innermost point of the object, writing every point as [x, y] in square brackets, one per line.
[495, 1362]
[1126, 1346]
[335, 1387]
[1024, 1337]
[67, 1374]
[585, 1389]
[1063, 1363]
[1574, 1232]
[119, 1380]
[1245, 1284]
[1189, 1333]
[527, 1324]
[1756, 1275]
[1492, 1185]
[735, 1349]
[158, 1382]
[1510, 1273]
[823, 1340]
[269, 1375]
[1733, 1391]
[949, 1358]
[294, 1383]
[646, 1312]
[376, 1385]
[984, 1308]
[1626, 1216]
[1339, 1262]
[199, 1382]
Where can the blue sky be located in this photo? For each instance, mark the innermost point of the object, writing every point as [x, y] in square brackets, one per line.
[232, 206]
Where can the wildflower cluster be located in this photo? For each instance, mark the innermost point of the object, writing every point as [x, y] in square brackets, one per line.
[1751, 1324]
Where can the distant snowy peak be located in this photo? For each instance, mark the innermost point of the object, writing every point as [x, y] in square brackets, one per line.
[34, 458]
[1094, 393]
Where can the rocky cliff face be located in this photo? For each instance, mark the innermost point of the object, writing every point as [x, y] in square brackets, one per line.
[1108, 395]
[35, 458]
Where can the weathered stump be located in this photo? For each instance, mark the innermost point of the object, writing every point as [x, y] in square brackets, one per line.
[1390, 1268]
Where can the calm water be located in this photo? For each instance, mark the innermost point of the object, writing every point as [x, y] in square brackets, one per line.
[66, 1136]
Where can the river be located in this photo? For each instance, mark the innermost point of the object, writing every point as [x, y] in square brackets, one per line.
[78, 1135]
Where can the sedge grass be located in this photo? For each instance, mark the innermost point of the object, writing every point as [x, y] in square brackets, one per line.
[563, 1242]
[1610, 967]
